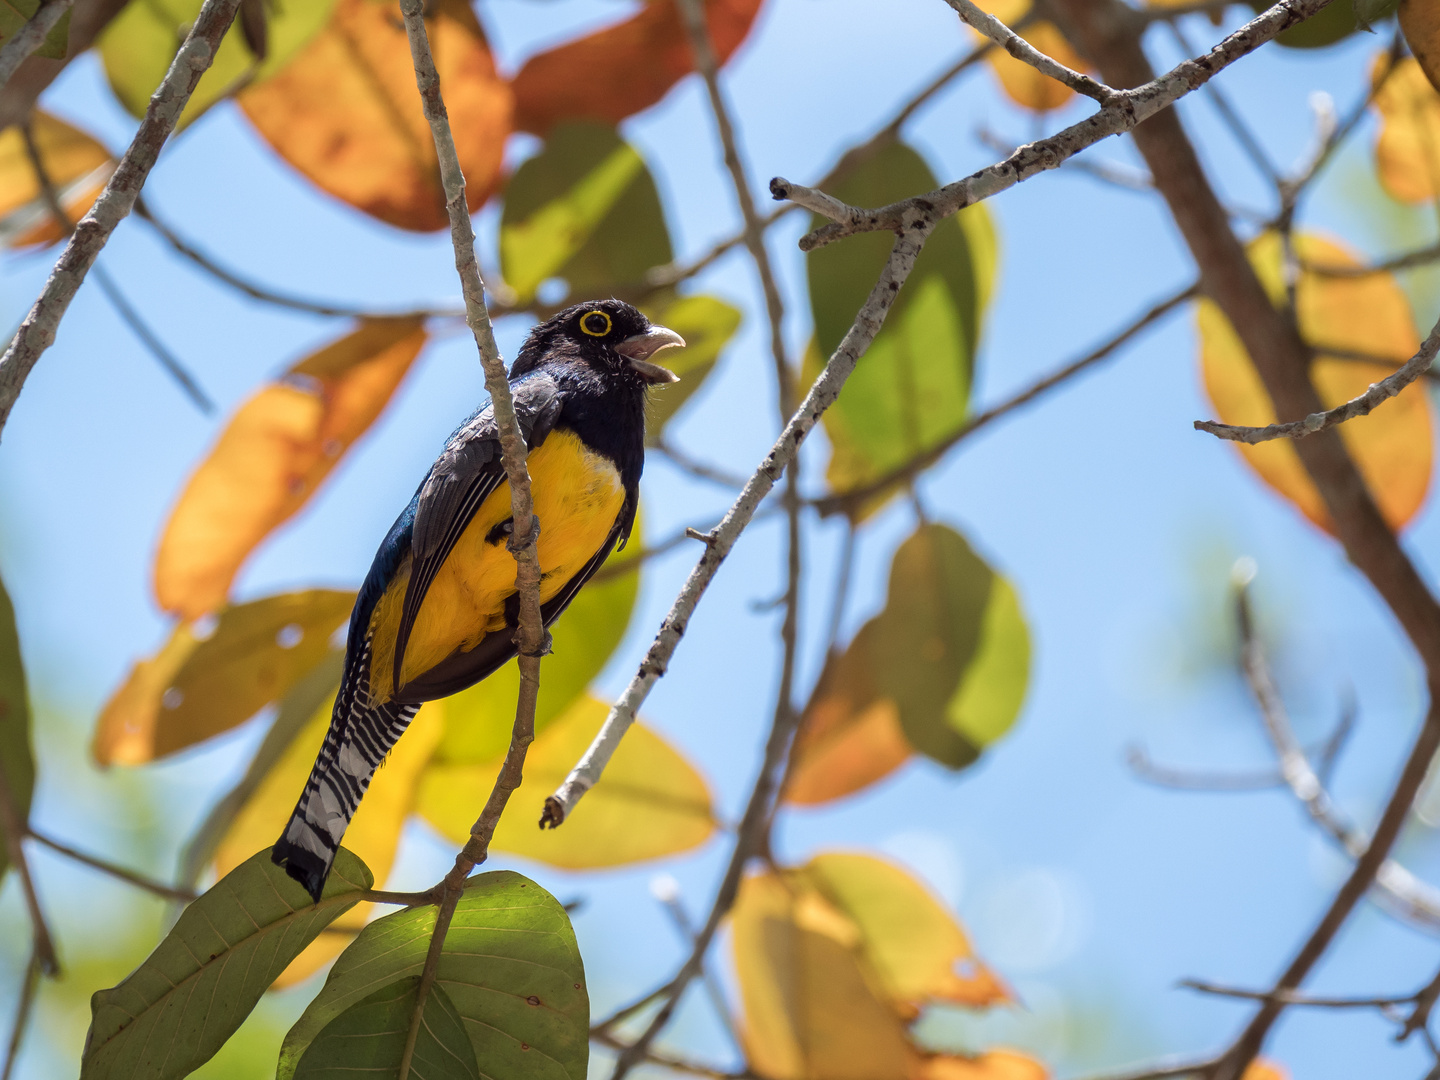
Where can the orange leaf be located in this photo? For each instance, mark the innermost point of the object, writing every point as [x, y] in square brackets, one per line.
[1021, 82]
[991, 1065]
[1407, 154]
[622, 69]
[1369, 315]
[1263, 1069]
[345, 112]
[849, 736]
[77, 165]
[272, 456]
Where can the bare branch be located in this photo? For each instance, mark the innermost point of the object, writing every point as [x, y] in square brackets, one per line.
[694, 466]
[844, 502]
[530, 633]
[29, 984]
[992, 28]
[1409, 260]
[168, 892]
[13, 826]
[1366, 403]
[1125, 111]
[267, 295]
[37, 332]
[30, 36]
[1202, 1068]
[1288, 997]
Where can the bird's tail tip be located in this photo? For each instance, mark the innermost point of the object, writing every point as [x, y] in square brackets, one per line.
[306, 867]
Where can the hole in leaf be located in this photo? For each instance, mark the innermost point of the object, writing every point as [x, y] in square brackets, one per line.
[203, 628]
[173, 698]
[290, 635]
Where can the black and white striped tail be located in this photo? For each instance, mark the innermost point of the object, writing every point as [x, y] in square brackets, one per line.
[360, 736]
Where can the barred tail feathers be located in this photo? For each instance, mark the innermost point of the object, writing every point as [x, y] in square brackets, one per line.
[360, 736]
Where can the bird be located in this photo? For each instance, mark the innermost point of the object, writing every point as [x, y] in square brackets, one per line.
[438, 610]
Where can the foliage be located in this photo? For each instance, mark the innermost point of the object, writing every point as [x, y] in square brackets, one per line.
[836, 958]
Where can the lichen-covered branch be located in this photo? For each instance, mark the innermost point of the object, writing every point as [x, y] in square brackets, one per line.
[1022, 50]
[28, 38]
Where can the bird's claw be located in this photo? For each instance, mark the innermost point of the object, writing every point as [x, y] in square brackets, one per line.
[517, 544]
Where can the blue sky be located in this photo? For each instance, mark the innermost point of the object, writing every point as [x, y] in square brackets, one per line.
[1092, 892]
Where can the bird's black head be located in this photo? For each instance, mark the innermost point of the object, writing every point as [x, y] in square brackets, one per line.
[609, 336]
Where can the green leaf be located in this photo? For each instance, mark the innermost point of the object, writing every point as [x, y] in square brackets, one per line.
[584, 209]
[369, 1038]
[478, 720]
[177, 1009]
[707, 324]
[912, 388]
[510, 966]
[17, 756]
[195, 689]
[16, 13]
[137, 47]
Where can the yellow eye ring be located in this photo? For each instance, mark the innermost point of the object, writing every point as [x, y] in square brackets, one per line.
[587, 323]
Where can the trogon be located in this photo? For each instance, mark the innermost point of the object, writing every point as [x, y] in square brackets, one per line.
[438, 610]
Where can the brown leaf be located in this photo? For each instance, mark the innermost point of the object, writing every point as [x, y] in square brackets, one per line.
[622, 69]
[194, 689]
[346, 114]
[77, 165]
[271, 457]
[1370, 315]
[1407, 154]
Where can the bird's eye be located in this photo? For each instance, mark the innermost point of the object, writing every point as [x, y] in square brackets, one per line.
[595, 323]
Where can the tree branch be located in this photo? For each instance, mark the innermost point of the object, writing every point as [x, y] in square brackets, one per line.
[37, 331]
[1099, 29]
[1363, 405]
[29, 37]
[140, 881]
[989, 26]
[530, 632]
[13, 826]
[28, 987]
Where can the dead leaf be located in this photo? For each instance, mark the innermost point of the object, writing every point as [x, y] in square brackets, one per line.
[651, 803]
[195, 688]
[1407, 153]
[271, 457]
[1021, 82]
[374, 832]
[346, 114]
[77, 165]
[1392, 447]
[617, 71]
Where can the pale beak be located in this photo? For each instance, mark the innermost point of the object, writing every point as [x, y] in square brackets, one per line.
[637, 351]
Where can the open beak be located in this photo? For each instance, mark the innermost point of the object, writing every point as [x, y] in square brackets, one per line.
[637, 351]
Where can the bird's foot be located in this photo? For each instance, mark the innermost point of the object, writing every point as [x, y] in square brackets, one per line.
[515, 543]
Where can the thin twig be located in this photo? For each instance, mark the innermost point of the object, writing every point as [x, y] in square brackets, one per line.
[169, 892]
[172, 365]
[30, 36]
[1377, 394]
[530, 631]
[28, 987]
[1290, 997]
[1233, 120]
[1202, 1067]
[12, 825]
[988, 26]
[37, 331]
[677, 1064]
[844, 502]
[666, 890]
[268, 295]
[1419, 257]
[1125, 112]
[694, 466]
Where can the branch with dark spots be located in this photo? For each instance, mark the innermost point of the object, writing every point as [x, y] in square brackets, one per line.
[30, 36]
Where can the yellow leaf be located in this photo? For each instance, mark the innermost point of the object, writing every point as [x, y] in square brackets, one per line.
[373, 835]
[812, 1012]
[1370, 315]
[1263, 1069]
[915, 947]
[998, 1064]
[651, 802]
[1420, 20]
[1407, 154]
[193, 689]
[1021, 82]
[345, 112]
[271, 457]
[77, 165]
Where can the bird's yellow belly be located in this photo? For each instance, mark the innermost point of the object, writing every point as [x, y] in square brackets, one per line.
[577, 496]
